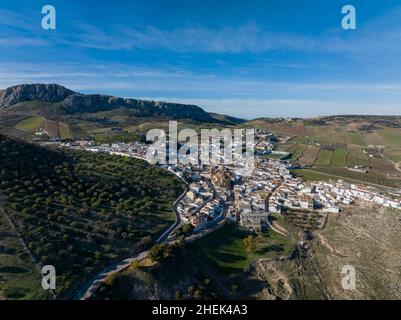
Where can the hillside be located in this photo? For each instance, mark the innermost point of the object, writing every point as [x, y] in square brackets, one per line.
[216, 266]
[363, 148]
[368, 238]
[69, 102]
[77, 211]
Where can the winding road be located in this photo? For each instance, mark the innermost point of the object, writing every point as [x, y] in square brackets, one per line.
[90, 286]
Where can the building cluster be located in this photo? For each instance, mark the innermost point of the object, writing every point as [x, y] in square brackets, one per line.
[252, 194]
[264, 142]
[347, 193]
[197, 207]
[221, 191]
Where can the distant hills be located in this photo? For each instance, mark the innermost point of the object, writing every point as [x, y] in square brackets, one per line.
[70, 102]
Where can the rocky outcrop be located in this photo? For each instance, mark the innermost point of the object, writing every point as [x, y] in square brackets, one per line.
[142, 108]
[28, 92]
[73, 102]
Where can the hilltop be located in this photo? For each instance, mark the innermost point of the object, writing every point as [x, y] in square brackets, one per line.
[66, 101]
[28, 110]
[77, 211]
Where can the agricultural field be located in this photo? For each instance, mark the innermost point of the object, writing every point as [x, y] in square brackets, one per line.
[331, 144]
[356, 157]
[293, 128]
[54, 128]
[51, 128]
[64, 131]
[30, 124]
[298, 151]
[392, 136]
[356, 138]
[393, 154]
[312, 175]
[339, 158]
[323, 158]
[309, 155]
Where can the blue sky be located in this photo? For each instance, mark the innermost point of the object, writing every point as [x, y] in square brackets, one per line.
[243, 58]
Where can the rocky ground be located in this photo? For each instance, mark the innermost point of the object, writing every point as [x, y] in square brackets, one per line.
[367, 237]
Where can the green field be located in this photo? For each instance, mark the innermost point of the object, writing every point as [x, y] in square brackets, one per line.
[30, 124]
[339, 158]
[323, 159]
[298, 152]
[299, 140]
[394, 154]
[309, 175]
[356, 158]
[315, 175]
[356, 138]
[391, 135]
[274, 156]
[224, 249]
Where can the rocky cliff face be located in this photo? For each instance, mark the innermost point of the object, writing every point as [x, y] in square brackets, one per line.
[27, 92]
[74, 102]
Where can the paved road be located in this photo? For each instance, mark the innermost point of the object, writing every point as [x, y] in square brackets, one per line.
[94, 283]
[177, 222]
[90, 286]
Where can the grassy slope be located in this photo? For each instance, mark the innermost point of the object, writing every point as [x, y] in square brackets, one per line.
[225, 250]
[220, 257]
[19, 278]
[29, 124]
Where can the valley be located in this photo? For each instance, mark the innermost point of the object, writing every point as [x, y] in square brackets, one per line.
[70, 179]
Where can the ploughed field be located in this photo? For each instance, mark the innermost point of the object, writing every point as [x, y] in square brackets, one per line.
[363, 148]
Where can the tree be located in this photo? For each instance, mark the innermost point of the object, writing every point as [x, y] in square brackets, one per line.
[158, 252]
[178, 295]
[186, 228]
[250, 243]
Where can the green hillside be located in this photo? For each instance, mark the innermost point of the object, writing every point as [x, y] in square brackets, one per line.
[81, 211]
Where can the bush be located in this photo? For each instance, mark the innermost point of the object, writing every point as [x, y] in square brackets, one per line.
[158, 252]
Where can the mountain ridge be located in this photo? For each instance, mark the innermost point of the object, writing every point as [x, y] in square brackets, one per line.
[74, 102]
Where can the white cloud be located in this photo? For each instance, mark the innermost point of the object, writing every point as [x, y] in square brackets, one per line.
[227, 39]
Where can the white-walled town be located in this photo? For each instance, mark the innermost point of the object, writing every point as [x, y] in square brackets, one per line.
[221, 192]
